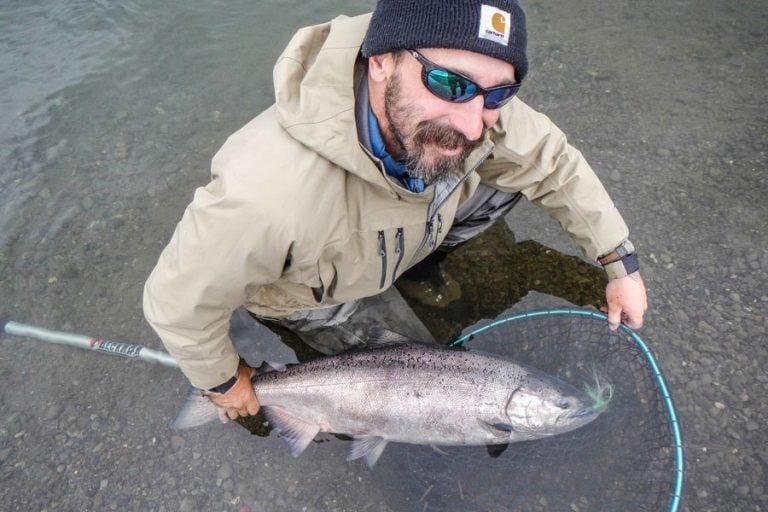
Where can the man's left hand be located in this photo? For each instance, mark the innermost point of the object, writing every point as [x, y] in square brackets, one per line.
[627, 301]
[240, 400]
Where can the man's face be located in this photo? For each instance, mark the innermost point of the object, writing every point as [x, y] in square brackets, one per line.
[431, 135]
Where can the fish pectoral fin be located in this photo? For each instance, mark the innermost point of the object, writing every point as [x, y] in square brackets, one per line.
[270, 366]
[500, 431]
[197, 410]
[296, 432]
[439, 450]
[369, 448]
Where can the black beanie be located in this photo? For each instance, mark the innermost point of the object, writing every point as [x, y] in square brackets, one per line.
[490, 27]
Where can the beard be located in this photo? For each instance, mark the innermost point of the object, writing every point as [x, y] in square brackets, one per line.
[412, 146]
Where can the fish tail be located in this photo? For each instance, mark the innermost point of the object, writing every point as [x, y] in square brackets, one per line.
[197, 410]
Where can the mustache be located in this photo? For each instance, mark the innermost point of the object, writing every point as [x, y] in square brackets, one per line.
[428, 132]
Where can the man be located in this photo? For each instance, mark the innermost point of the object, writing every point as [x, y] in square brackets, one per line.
[392, 136]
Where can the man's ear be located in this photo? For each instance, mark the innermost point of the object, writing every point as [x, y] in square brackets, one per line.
[381, 67]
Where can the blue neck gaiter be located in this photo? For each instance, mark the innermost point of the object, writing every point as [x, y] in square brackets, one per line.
[394, 168]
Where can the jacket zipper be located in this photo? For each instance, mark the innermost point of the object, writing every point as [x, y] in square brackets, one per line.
[428, 239]
[383, 255]
[432, 232]
[399, 250]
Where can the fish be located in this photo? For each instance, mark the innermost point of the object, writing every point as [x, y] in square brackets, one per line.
[397, 390]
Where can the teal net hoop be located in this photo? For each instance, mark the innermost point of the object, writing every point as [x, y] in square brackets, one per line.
[635, 342]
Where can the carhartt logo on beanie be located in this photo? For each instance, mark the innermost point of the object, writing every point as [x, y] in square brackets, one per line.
[491, 27]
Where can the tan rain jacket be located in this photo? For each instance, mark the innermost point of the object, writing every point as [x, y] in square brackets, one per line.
[299, 215]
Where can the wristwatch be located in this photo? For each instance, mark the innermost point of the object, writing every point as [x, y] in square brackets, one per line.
[621, 262]
[223, 388]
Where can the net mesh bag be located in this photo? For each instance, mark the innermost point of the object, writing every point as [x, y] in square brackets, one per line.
[630, 458]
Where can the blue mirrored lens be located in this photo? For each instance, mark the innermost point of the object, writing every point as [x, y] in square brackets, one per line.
[497, 97]
[450, 86]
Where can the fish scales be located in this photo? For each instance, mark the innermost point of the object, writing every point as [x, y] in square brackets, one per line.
[411, 393]
[390, 392]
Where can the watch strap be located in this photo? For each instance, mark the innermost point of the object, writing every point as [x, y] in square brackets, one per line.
[623, 266]
[624, 249]
[226, 386]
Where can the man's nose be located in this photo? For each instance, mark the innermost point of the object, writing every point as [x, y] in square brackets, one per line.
[468, 118]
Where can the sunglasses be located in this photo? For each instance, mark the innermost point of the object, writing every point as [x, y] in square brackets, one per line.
[457, 88]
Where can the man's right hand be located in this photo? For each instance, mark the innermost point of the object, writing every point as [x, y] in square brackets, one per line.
[240, 400]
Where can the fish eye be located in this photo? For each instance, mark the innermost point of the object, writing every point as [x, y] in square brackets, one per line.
[563, 404]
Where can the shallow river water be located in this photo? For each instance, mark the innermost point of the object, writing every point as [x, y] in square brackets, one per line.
[110, 112]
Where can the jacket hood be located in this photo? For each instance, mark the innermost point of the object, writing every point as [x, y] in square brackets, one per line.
[315, 93]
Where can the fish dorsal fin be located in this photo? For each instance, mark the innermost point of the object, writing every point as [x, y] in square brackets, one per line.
[381, 337]
[368, 448]
[296, 432]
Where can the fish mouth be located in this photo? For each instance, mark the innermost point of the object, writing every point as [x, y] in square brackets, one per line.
[576, 407]
[583, 413]
[582, 417]
[579, 412]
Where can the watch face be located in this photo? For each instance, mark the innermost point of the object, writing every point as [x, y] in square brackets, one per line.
[631, 263]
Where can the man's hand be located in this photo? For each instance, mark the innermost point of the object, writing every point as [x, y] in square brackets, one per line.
[627, 301]
[240, 400]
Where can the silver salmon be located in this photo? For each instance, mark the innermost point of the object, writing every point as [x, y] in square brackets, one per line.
[410, 393]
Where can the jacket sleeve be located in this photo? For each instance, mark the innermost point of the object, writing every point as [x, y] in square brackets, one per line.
[222, 247]
[532, 156]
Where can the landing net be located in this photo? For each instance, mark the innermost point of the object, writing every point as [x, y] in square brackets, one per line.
[630, 458]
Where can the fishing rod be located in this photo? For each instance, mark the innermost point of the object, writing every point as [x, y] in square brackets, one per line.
[128, 350]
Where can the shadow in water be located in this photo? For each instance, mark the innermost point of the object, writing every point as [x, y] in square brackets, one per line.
[494, 272]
